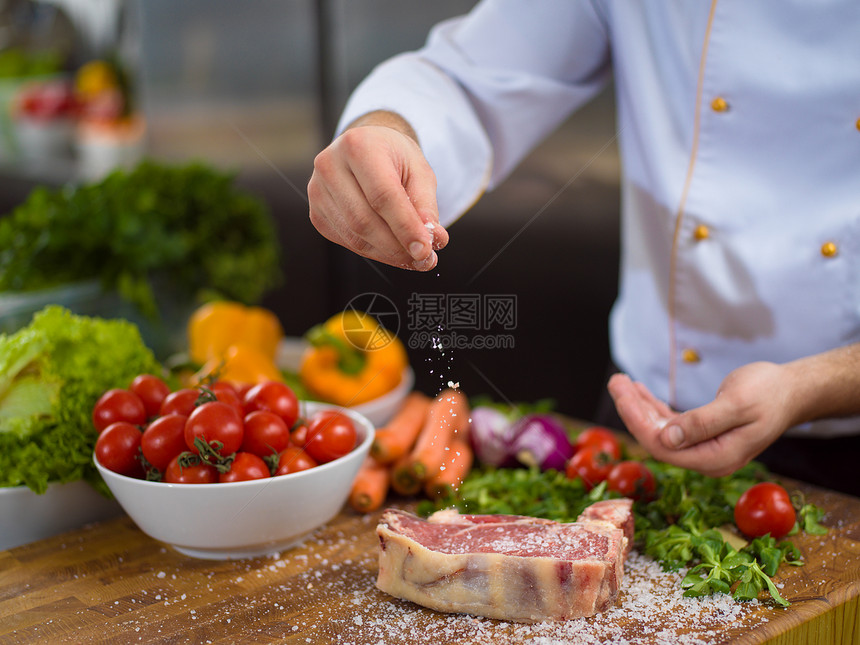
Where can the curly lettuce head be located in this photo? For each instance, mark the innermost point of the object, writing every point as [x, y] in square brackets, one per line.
[52, 372]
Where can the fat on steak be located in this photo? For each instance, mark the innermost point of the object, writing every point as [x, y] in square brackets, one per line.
[507, 567]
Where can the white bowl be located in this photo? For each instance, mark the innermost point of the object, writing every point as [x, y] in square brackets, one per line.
[243, 519]
[379, 410]
[26, 516]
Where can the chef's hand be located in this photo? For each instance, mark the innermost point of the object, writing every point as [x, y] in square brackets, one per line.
[373, 192]
[753, 407]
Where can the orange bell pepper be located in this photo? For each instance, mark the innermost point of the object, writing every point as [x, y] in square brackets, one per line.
[216, 326]
[234, 343]
[352, 359]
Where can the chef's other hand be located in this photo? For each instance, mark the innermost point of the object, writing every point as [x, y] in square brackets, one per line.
[753, 407]
[373, 192]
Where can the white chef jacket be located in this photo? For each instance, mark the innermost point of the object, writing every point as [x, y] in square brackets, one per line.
[739, 133]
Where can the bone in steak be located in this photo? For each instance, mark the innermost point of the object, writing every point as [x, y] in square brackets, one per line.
[507, 567]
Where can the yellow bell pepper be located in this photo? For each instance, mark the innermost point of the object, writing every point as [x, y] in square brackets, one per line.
[240, 365]
[217, 326]
[352, 359]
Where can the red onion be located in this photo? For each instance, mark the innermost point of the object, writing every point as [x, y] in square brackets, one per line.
[491, 435]
[541, 440]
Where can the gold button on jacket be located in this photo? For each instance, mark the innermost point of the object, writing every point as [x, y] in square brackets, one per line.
[690, 356]
[719, 104]
[829, 249]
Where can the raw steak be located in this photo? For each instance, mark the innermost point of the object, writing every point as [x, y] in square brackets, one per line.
[618, 512]
[507, 567]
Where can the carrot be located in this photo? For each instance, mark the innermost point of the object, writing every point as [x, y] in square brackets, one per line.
[397, 437]
[453, 471]
[403, 480]
[370, 486]
[447, 416]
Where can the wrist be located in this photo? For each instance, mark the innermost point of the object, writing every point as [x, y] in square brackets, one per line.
[385, 119]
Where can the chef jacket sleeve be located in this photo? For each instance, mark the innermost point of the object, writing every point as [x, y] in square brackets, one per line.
[488, 86]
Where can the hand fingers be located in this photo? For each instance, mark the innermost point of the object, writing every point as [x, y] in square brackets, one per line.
[642, 417]
[700, 424]
[362, 230]
[386, 197]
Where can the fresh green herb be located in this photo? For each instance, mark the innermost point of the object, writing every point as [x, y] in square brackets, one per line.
[678, 528]
[809, 516]
[188, 225]
[52, 372]
[514, 410]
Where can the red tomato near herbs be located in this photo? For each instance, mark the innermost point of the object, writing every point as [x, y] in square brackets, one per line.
[274, 397]
[182, 402]
[217, 424]
[265, 434]
[632, 479]
[117, 449]
[294, 460]
[765, 508]
[602, 439]
[331, 434]
[245, 467]
[152, 391]
[163, 439]
[198, 473]
[118, 405]
[591, 465]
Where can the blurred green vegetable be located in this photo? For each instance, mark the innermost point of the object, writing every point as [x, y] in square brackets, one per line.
[189, 225]
[52, 372]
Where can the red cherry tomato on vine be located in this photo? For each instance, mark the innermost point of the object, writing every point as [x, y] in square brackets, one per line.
[265, 433]
[276, 397]
[152, 391]
[182, 402]
[217, 424]
[118, 405]
[590, 465]
[632, 479]
[602, 439]
[245, 467]
[117, 449]
[226, 393]
[331, 434]
[765, 508]
[294, 460]
[163, 439]
[199, 473]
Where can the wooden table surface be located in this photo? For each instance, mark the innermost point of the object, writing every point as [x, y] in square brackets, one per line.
[109, 582]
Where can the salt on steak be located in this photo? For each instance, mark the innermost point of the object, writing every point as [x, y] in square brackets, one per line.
[508, 567]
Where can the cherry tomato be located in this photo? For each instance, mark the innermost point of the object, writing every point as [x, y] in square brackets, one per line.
[602, 439]
[331, 434]
[292, 460]
[117, 449]
[632, 479]
[118, 405]
[182, 402]
[199, 473]
[275, 397]
[152, 391]
[217, 424]
[265, 433]
[591, 465]
[299, 433]
[163, 439]
[244, 467]
[765, 508]
[226, 393]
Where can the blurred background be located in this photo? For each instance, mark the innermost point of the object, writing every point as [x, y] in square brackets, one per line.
[255, 88]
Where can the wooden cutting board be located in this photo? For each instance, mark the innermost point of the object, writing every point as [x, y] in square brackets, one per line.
[111, 583]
